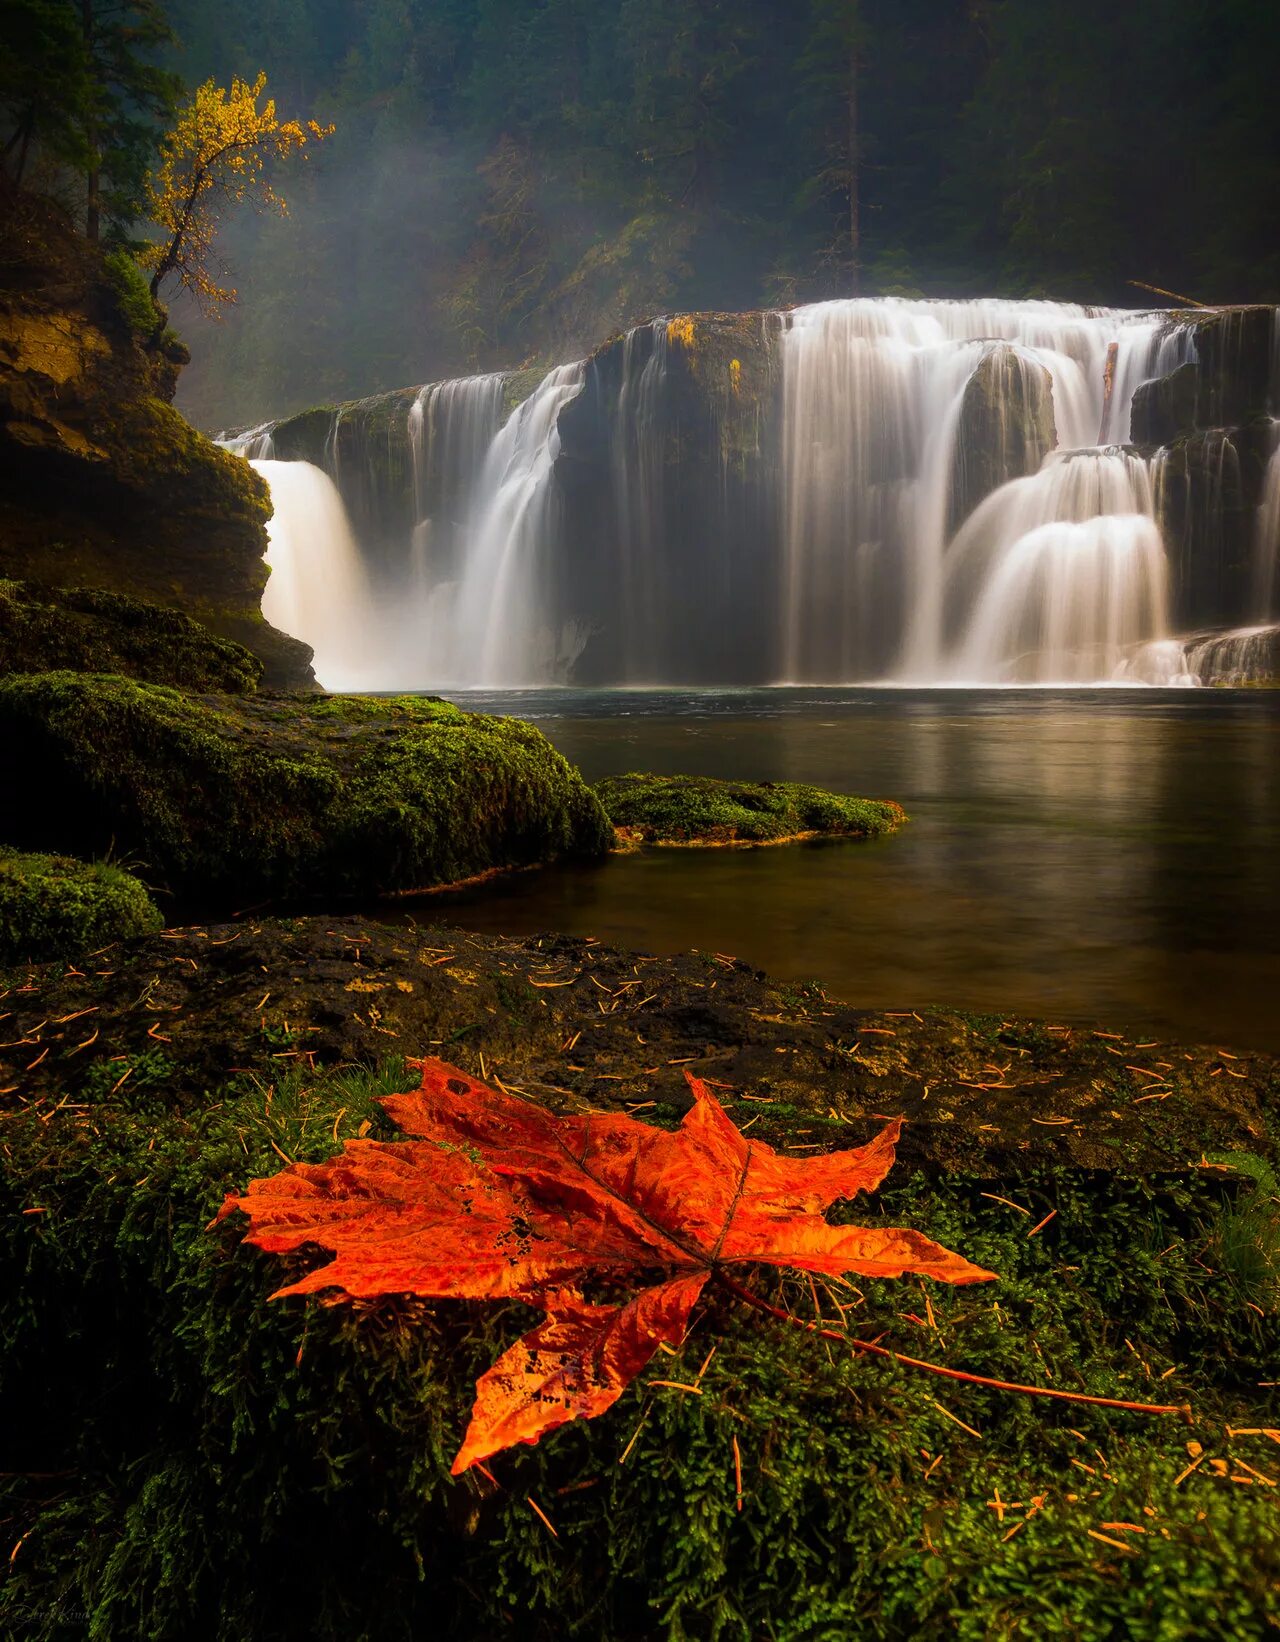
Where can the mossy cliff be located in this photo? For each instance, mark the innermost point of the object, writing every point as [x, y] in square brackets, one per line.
[102, 483]
[227, 799]
[668, 463]
[1005, 428]
[87, 630]
[189, 1458]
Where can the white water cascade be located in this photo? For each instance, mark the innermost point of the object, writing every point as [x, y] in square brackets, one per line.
[497, 625]
[873, 393]
[1055, 577]
[915, 492]
[317, 589]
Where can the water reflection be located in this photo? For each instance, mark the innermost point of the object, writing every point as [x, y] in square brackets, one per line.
[1077, 855]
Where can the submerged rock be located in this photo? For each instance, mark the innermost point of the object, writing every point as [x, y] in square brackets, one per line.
[54, 907]
[245, 797]
[88, 630]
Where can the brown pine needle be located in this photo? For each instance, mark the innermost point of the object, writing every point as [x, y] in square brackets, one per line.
[752, 1299]
[955, 1419]
[1043, 1223]
[737, 1474]
[537, 1509]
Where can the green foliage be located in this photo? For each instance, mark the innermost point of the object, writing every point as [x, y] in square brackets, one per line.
[671, 809]
[92, 631]
[80, 89]
[240, 1469]
[131, 287]
[244, 796]
[54, 907]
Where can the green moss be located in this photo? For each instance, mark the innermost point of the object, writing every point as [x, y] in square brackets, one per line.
[687, 809]
[188, 1457]
[244, 797]
[134, 293]
[89, 630]
[54, 907]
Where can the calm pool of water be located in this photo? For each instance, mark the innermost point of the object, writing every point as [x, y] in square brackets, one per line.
[1078, 855]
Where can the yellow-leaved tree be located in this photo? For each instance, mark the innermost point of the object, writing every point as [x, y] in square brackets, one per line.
[216, 156]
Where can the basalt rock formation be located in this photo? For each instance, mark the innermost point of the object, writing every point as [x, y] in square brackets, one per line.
[102, 483]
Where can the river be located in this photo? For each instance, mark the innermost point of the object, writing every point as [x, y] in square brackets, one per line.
[1079, 855]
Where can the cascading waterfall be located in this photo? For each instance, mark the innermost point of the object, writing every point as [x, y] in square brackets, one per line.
[1055, 577]
[924, 492]
[873, 395]
[499, 626]
[317, 588]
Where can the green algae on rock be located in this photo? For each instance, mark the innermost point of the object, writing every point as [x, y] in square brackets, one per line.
[88, 630]
[875, 1501]
[52, 906]
[273, 796]
[693, 809]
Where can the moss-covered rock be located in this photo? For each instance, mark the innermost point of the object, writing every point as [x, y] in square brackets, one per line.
[187, 1457]
[692, 809]
[334, 796]
[87, 630]
[102, 483]
[54, 907]
[1005, 428]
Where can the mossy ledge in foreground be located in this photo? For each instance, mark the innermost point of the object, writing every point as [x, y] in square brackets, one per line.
[692, 809]
[189, 1458]
[245, 797]
[54, 907]
[88, 630]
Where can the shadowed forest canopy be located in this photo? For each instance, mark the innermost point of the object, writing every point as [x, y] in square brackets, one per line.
[512, 180]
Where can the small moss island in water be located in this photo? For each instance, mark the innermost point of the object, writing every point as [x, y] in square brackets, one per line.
[695, 810]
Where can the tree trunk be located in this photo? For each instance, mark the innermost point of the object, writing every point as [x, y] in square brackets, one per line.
[855, 227]
[93, 191]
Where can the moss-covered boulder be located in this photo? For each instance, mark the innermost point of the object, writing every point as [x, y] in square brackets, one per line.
[187, 1457]
[54, 907]
[87, 630]
[102, 483]
[242, 796]
[1005, 428]
[691, 809]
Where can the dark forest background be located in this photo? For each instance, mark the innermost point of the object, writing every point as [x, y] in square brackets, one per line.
[513, 180]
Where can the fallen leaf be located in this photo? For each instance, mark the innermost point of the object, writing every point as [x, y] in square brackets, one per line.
[494, 1198]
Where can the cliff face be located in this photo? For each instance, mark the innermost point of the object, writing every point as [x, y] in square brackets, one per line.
[1208, 428]
[102, 483]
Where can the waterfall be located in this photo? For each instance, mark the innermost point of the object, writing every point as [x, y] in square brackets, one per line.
[1266, 541]
[873, 397]
[1055, 577]
[921, 492]
[317, 589]
[256, 444]
[500, 626]
[1243, 656]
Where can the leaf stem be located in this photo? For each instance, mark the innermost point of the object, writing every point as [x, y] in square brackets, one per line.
[749, 1297]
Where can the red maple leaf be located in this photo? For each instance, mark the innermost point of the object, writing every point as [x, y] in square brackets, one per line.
[493, 1198]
